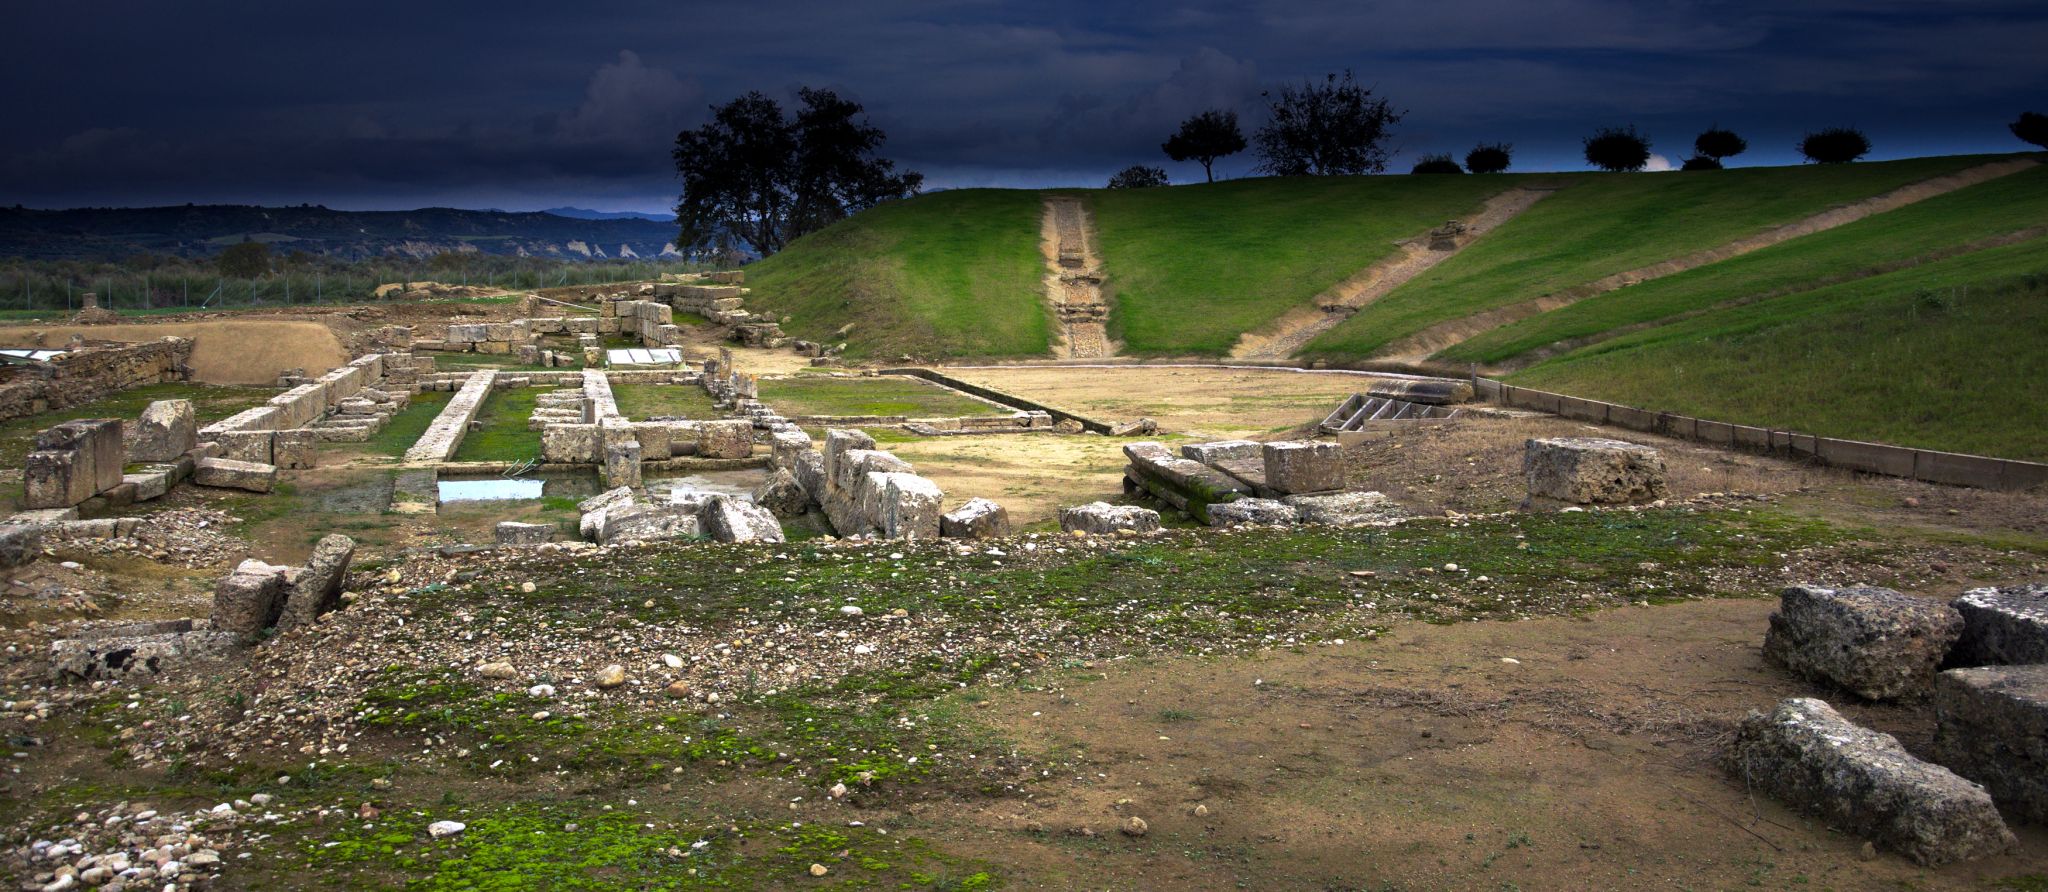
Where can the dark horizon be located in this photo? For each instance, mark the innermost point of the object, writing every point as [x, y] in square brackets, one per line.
[385, 107]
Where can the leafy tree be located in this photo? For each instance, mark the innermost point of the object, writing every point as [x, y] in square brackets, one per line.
[1138, 176]
[1490, 157]
[1436, 164]
[1329, 129]
[1715, 144]
[1700, 162]
[246, 260]
[1835, 145]
[767, 178]
[1618, 149]
[2031, 127]
[1205, 138]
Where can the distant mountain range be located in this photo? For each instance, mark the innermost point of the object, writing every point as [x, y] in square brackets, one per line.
[588, 214]
[203, 230]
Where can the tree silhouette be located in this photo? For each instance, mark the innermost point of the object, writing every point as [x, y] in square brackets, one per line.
[1618, 149]
[1715, 144]
[1329, 129]
[1490, 157]
[1204, 138]
[1436, 164]
[2031, 127]
[1835, 145]
[1138, 176]
[245, 260]
[1700, 162]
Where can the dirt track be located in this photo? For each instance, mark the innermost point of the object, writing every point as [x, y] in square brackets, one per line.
[226, 351]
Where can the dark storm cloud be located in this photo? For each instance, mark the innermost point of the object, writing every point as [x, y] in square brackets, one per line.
[385, 104]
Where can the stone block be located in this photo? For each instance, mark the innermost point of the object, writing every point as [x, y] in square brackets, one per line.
[839, 441]
[20, 545]
[577, 444]
[501, 348]
[167, 429]
[1104, 518]
[150, 484]
[1300, 466]
[725, 439]
[910, 507]
[248, 446]
[1220, 450]
[1863, 781]
[648, 523]
[468, 333]
[809, 470]
[977, 519]
[782, 495]
[593, 509]
[1262, 512]
[856, 464]
[512, 532]
[230, 474]
[787, 445]
[657, 439]
[729, 519]
[1348, 509]
[2002, 626]
[295, 450]
[54, 478]
[1991, 726]
[1592, 471]
[316, 589]
[1874, 642]
[135, 649]
[249, 599]
[621, 455]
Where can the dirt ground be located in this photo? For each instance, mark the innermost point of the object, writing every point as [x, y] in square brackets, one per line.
[225, 351]
[1205, 403]
[1424, 760]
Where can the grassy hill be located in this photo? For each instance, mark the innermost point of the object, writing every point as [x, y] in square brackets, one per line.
[953, 273]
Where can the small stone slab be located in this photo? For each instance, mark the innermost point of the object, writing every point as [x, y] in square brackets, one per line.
[977, 519]
[1104, 518]
[1809, 756]
[230, 474]
[1592, 471]
[1346, 509]
[1991, 726]
[512, 532]
[2002, 626]
[728, 519]
[649, 523]
[249, 599]
[1302, 466]
[1262, 512]
[1874, 642]
[1220, 450]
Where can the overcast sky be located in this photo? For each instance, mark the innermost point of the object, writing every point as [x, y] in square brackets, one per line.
[376, 104]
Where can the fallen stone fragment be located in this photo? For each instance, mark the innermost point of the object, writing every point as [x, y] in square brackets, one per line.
[1262, 512]
[781, 494]
[1874, 642]
[1860, 780]
[1592, 471]
[317, 589]
[2002, 626]
[611, 676]
[230, 474]
[249, 599]
[167, 429]
[977, 519]
[500, 670]
[445, 829]
[729, 519]
[1991, 726]
[1346, 509]
[512, 532]
[1103, 518]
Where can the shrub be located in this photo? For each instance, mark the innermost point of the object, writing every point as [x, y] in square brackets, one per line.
[1436, 164]
[1701, 162]
[1835, 145]
[1716, 144]
[1489, 158]
[1138, 176]
[2031, 127]
[1618, 149]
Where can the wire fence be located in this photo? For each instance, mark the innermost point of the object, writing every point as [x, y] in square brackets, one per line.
[31, 290]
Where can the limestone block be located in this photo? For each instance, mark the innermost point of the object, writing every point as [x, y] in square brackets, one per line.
[494, 347]
[249, 599]
[317, 589]
[2002, 626]
[657, 439]
[1299, 466]
[1348, 509]
[1220, 450]
[468, 333]
[782, 495]
[230, 474]
[1991, 726]
[20, 545]
[787, 445]
[911, 507]
[1874, 642]
[55, 479]
[149, 484]
[135, 649]
[809, 470]
[295, 450]
[248, 446]
[167, 429]
[648, 523]
[570, 444]
[593, 509]
[838, 441]
[725, 439]
[97, 441]
[1104, 518]
[512, 532]
[1593, 471]
[621, 455]
[1809, 756]
[856, 464]
[979, 518]
[728, 519]
[1265, 512]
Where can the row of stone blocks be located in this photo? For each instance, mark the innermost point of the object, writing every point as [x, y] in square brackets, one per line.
[1991, 715]
[1234, 482]
[617, 516]
[864, 491]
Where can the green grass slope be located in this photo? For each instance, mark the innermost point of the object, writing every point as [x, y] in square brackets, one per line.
[954, 273]
[1941, 226]
[1605, 224]
[1944, 355]
[1191, 268]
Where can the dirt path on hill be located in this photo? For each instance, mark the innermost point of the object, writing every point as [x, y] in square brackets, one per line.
[1073, 279]
[1430, 341]
[1295, 328]
[226, 351]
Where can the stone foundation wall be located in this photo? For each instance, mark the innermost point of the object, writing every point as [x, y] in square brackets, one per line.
[89, 374]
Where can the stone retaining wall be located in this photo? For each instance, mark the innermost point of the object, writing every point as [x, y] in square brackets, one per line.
[997, 396]
[88, 374]
[445, 434]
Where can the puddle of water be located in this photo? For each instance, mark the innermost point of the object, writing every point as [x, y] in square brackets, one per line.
[491, 489]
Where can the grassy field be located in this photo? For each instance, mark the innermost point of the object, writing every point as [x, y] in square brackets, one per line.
[883, 395]
[406, 427]
[643, 401]
[1191, 268]
[1916, 233]
[500, 432]
[208, 402]
[1942, 356]
[953, 273]
[1605, 224]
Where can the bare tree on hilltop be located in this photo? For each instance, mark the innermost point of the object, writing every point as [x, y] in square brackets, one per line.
[768, 179]
[1333, 128]
[1205, 138]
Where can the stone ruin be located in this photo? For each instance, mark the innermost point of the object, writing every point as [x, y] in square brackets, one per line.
[1991, 716]
[1233, 482]
[1591, 471]
[618, 516]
